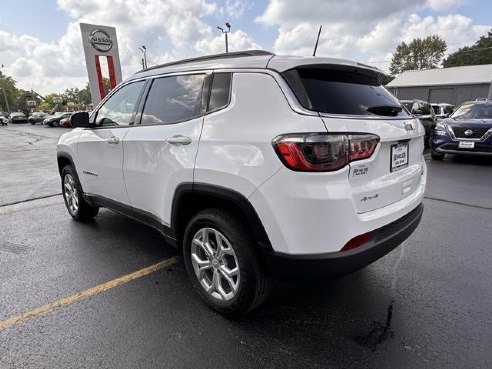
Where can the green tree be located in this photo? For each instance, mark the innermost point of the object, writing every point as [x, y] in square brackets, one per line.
[47, 104]
[21, 101]
[420, 53]
[85, 96]
[479, 53]
[11, 92]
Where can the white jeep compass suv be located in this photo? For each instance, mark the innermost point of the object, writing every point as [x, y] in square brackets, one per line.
[257, 166]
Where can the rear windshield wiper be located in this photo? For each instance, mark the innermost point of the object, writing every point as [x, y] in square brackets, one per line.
[390, 111]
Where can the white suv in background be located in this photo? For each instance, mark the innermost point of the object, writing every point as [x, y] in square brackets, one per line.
[257, 166]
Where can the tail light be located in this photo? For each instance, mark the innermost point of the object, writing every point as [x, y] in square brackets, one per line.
[323, 152]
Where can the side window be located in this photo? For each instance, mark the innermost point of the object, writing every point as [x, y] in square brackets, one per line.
[448, 109]
[426, 109]
[220, 91]
[119, 109]
[173, 99]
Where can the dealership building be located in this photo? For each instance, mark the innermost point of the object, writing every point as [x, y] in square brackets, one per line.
[445, 85]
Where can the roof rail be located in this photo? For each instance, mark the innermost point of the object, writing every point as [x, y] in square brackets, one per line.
[238, 54]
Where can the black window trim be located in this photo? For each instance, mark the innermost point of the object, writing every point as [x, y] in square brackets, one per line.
[210, 94]
[108, 96]
[150, 82]
[204, 96]
[142, 99]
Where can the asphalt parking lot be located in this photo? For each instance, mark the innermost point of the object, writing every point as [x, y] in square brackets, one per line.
[428, 304]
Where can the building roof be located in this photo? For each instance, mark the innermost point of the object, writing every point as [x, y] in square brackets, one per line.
[248, 59]
[466, 75]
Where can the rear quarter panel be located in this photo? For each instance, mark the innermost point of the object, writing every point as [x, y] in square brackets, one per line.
[235, 148]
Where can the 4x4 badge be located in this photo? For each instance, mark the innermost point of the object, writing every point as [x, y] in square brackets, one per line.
[409, 127]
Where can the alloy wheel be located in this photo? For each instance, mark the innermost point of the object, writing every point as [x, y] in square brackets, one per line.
[70, 193]
[215, 264]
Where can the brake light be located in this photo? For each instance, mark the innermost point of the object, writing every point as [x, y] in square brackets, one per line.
[323, 152]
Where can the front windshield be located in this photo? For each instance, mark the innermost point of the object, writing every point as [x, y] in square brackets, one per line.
[473, 111]
[408, 105]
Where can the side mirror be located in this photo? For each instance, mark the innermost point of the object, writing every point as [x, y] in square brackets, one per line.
[80, 119]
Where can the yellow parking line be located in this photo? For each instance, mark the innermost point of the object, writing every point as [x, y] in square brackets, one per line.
[44, 309]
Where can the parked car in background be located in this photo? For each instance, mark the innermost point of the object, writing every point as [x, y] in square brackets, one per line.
[422, 110]
[65, 122]
[467, 131]
[18, 117]
[54, 121]
[3, 120]
[442, 110]
[37, 117]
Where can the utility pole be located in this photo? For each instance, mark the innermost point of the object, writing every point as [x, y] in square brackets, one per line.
[225, 32]
[143, 49]
[5, 95]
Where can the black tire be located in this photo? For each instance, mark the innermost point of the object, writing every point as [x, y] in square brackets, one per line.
[32, 122]
[84, 211]
[437, 156]
[255, 283]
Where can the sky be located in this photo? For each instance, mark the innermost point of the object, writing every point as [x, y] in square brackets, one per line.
[41, 44]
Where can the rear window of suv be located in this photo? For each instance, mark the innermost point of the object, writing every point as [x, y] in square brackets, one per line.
[343, 92]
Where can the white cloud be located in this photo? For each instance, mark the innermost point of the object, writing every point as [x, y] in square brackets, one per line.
[170, 29]
[456, 29]
[238, 40]
[444, 5]
[367, 33]
[234, 9]
[174, 29]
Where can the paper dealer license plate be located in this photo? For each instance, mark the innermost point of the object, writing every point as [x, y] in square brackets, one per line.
[399, 156]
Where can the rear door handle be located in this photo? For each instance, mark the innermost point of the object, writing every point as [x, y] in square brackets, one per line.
[178, 140]
[113, 140]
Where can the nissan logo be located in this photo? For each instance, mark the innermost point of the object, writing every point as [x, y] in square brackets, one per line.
[100, 40]
[468, 132]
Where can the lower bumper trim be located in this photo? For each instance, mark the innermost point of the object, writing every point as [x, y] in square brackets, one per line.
[299, 268]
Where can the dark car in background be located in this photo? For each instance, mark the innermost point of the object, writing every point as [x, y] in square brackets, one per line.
[54, 121]
[468, 131]
[422, 110]
[18, 117]
[37, 117]
[65, 122]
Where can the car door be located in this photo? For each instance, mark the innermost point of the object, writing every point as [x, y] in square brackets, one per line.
[160, 149]
[100, 149]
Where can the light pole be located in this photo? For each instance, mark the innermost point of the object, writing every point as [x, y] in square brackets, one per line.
[225, 32]
[143, 49]
[5, 96]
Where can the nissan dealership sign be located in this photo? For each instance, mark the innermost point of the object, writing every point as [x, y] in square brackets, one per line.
[100, 42]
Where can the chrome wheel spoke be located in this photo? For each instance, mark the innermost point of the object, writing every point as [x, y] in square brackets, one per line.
[229, 273]
[203, 266]
[233, 285]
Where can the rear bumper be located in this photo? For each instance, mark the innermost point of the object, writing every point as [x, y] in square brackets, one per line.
[480, 149]
[297, 268]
